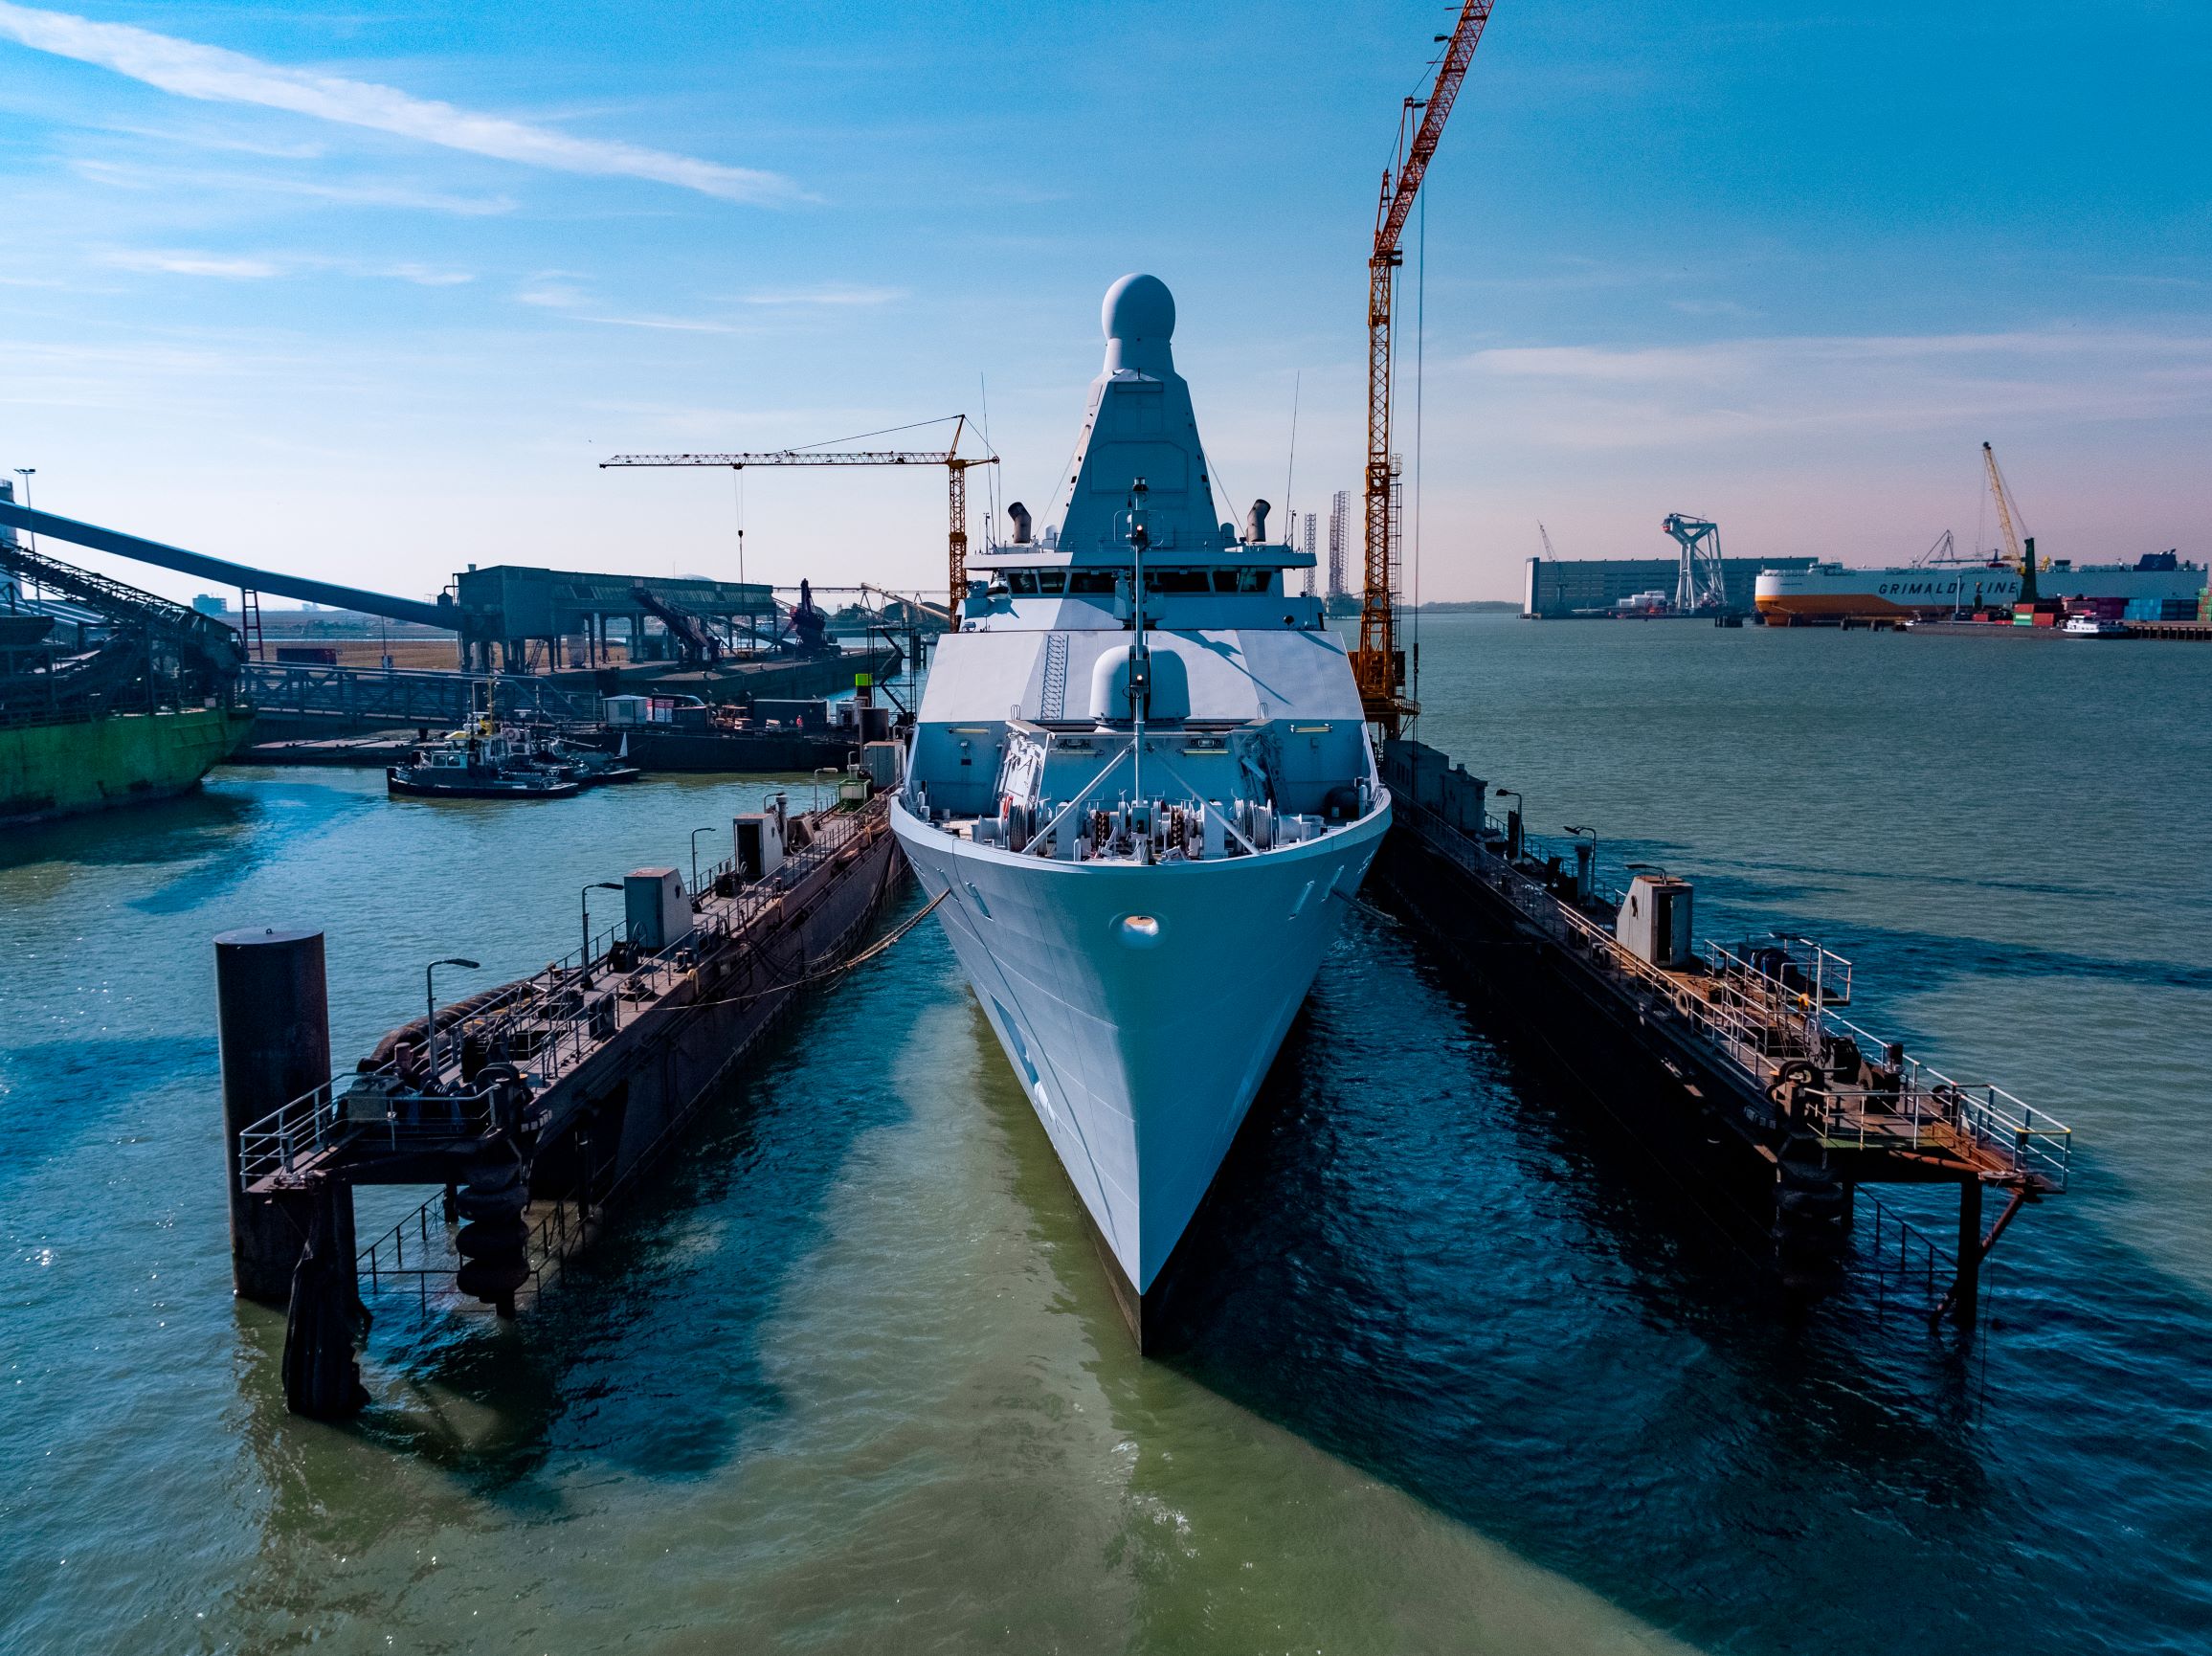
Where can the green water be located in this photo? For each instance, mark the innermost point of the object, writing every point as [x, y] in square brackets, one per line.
[1460, 1376]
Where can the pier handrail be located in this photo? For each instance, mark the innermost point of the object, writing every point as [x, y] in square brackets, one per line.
[1761, 1023]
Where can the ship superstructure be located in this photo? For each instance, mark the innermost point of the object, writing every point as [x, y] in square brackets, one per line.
[1140, 779]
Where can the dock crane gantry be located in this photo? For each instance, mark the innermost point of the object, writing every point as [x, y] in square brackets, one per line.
[954, 462]
[1377, 664]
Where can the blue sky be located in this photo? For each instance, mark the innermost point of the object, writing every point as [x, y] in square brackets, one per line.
[368, 293]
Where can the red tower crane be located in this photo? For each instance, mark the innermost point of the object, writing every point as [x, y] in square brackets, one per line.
[1377, 664]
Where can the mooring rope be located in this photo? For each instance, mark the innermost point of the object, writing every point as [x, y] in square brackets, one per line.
[866, 955]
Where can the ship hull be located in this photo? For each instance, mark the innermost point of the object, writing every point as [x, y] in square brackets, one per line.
[1140, 1053]
[75, 766]
[1829, 593]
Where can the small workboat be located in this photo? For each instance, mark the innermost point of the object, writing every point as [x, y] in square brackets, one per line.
[481, 761]
[587, 767]
[2094, 627]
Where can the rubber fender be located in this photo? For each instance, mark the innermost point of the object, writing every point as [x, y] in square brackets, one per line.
[493, 1239]
[481, 1204]
[490, 1280]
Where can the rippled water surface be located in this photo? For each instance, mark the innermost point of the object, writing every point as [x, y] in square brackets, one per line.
[1463, 1371]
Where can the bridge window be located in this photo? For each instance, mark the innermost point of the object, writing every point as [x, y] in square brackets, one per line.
[1175, 581]
[1021, 583]
[1090, 581]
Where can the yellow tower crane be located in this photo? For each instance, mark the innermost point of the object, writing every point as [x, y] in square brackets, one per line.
[954, 462]
[1377, 664]
[2021, 548]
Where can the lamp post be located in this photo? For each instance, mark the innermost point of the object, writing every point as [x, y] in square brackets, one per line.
[816, 785]
[429, 1004]
[27, 473]
[584, 903]
[695, 834]
[1585, 861]
[1512, 822]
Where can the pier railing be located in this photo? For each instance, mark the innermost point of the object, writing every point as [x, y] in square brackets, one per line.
[545, 1026]
[408, 696]
[1850, 1087]
[285, 1144]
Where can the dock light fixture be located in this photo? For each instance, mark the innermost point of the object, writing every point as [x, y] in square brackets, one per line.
[822, 770]
[1512, 820]
[710, 828]
[430, 1002]
[584, 902]
[27, 473]
[1585, 861]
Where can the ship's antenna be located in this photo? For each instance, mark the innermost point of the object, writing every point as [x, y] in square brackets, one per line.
[1290, 471]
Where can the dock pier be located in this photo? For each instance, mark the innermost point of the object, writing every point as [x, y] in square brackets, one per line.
[526, 1109]
[1691, 1045]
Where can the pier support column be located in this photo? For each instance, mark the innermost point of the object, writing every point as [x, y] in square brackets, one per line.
[1966, 1294]
[274, 1018]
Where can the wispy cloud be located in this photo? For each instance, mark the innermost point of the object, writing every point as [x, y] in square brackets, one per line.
[231, 267]
[214, 75]
[834, 295]
[121, 175]
[1600, 397]
[265, 267]
[554, 293]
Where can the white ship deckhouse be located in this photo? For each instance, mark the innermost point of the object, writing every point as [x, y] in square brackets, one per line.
[1141, 774]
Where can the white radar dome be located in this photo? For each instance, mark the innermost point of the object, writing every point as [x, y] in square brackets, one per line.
[1139, 319]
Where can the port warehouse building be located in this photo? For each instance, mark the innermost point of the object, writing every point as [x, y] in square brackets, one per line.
[1557, 587]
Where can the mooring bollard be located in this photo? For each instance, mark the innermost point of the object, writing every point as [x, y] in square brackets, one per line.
[274, 1018]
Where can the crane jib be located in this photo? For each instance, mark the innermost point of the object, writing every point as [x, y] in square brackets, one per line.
[1459, 53]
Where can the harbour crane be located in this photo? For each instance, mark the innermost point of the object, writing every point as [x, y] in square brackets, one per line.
[1701, 583]
[954, 462]
[2007, 508]
[2022, 552]
[1377, 664]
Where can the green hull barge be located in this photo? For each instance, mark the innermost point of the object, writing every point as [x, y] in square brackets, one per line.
[65, 767]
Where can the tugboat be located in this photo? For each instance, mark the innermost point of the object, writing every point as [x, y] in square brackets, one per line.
[480, 761]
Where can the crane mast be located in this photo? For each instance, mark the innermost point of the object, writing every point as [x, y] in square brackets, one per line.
[954, 462]
[2005, 505]
[1377, 664]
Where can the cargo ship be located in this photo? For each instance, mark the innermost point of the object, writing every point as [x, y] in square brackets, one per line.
[1832, 594]
[108, 696]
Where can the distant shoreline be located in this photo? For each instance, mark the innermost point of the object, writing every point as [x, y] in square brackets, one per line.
[1472, 606]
